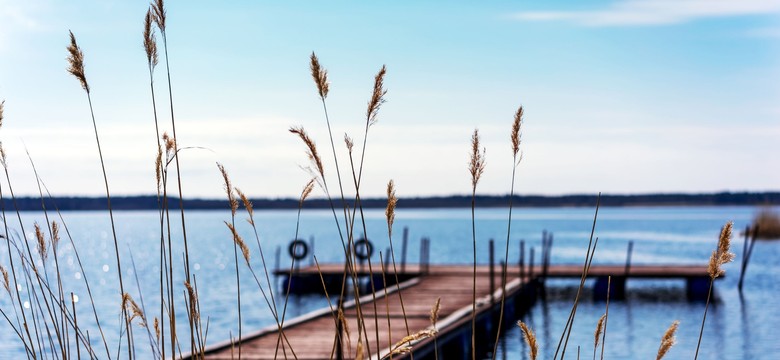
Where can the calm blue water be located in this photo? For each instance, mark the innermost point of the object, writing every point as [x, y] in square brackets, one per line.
[737, 327]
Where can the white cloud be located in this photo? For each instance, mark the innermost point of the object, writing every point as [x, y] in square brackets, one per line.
[656, 12]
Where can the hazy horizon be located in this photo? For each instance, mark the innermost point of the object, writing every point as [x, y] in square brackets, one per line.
[622, 97]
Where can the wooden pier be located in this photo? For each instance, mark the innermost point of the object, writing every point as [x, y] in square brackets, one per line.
[313, 336]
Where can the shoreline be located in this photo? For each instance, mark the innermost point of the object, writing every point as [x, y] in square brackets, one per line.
[150, 202]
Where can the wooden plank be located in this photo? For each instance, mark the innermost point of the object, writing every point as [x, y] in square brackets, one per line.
[312, 336]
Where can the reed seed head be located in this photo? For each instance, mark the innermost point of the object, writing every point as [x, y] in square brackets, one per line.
[377, 96]
[133, 309]
[345, 326]
[435, 312]
[349, 142]
[158, 169]
[320, 76]
[407, 341]
[193, 300]
[392, 200]
[530, 339]
[306, 192]
[2, 156]
[6, 283]
[156, 324]
[516, 135]
[668, 340]
[477, 163]
[2, 106]
[228, 189]
[55, 234]
[150, 43]
[159, 14]
[311, 149]
[239, 241]
[247, 205]
[597, 333]
[722, 254]
[360, 352]
[41, 242]
[170, 146]
[76, 62]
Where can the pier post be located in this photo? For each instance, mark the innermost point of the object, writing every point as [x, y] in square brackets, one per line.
[403, 249]
[531, 265]
[491, 246]
[628, 257]
[521, 260]
[697, 287]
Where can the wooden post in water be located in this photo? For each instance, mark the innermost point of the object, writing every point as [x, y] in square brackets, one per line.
[750, 237]
[531, 265]
[628, 256]
[521, 260]
[491, 249]
[403, 249]
[311, 248]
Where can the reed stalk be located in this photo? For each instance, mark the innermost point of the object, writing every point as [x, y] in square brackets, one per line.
[76, 62]
[476, 168]
[585, 268]
[515, 141]
[720, 256]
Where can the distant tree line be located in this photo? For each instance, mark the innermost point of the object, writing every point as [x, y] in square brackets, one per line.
[150, 202]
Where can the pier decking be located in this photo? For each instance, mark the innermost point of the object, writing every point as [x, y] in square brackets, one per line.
[313, 336]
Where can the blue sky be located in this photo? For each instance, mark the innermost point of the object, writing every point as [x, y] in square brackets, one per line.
[628, 96]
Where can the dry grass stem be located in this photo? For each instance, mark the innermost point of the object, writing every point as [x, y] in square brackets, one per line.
[133, 309]
[239, 241]
[668, 340]
[150, 43]
[392, 200]
[311, 149]
[516, 130]
[477, 163]
[229, 190]
[2, 106]
[530, 339]
[722, 254]
[159, 14]
[320, 76]
[377, 97]
[435, 312]
[76, 62]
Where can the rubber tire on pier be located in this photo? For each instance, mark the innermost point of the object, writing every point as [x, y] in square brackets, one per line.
[365, 244]
[294, 245]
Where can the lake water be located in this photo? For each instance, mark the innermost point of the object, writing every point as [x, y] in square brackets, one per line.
[738, 327]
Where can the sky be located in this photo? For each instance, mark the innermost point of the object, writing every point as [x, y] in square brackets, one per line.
[620, 96]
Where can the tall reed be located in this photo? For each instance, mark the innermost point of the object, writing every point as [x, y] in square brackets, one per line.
[476, 168]
[720, 256]
[515, 141]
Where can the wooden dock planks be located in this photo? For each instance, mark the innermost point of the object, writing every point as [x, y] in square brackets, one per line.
[312, 336]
